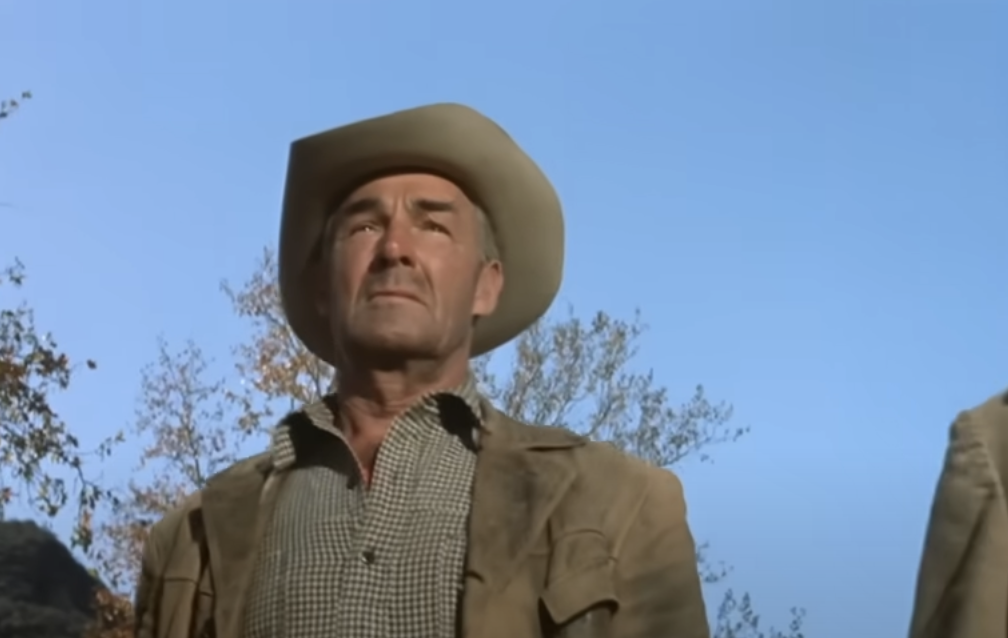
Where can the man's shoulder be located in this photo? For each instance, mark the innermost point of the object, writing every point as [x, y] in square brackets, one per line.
[176, 524]
[605, 473]
[982, 433]
[600, 459]
[984, 425]
[992, 413]
[626, 475]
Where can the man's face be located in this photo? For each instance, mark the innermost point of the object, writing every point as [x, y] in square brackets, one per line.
[405, 272]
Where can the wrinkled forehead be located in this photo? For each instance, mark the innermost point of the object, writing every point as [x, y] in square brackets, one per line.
[422, 182]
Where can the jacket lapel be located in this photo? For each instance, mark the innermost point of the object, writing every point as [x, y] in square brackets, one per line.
[234, 503]
[518, 484]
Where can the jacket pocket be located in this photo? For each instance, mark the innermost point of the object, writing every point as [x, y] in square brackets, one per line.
[580, 596]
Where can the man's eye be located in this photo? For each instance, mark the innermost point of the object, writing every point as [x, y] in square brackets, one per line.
[361, 227]
[434, 226]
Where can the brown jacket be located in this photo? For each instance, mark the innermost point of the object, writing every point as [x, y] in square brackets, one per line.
[962, 587]
[558, 524]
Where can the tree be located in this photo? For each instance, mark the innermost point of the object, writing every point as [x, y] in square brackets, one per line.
[277, 373]
[7, 107]
[37, 448]
[182, 420]
[737, 619]
[563, 372]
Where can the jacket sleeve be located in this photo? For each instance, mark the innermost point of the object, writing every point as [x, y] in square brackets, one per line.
[144, 601]
[962, 591]
[660, 589]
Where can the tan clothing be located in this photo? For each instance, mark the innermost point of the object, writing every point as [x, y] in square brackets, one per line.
[962, 587]
[558, 524]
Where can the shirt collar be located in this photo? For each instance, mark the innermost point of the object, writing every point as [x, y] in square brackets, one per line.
[320, 414]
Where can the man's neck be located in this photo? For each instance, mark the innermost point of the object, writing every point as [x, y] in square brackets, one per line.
[370, 400]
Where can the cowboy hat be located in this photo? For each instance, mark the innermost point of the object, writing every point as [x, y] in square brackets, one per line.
[451, 140]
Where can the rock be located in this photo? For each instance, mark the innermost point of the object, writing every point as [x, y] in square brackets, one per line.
[44, 591]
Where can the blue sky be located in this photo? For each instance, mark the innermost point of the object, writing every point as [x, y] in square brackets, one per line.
[806, 200]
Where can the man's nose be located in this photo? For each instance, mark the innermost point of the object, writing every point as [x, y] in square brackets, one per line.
[396, 245]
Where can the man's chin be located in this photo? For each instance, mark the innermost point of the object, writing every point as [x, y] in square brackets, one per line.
[393, 348]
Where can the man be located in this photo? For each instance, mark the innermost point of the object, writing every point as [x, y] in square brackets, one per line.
[962, 587]
[405, 505]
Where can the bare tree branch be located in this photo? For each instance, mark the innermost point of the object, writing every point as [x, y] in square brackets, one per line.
[37, 448]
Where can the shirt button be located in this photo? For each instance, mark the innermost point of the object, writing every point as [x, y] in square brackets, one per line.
[368, 557]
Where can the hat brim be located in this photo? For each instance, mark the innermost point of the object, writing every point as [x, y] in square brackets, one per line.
[458, 143]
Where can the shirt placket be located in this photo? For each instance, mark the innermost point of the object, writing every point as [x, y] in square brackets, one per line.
[383, 510]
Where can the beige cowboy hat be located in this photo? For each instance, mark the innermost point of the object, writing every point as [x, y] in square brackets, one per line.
[448, 139]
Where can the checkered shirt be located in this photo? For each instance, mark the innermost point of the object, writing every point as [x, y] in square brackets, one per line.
[340, 560]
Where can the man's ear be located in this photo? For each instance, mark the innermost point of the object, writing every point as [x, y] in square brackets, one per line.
[489, 284]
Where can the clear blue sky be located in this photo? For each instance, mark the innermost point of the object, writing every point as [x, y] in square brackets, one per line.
[807, 201]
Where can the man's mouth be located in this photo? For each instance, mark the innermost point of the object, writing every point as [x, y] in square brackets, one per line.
[395, 294]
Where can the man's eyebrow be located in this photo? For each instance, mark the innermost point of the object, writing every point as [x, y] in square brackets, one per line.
[358, 206]
[427, 205]
[374, 204]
